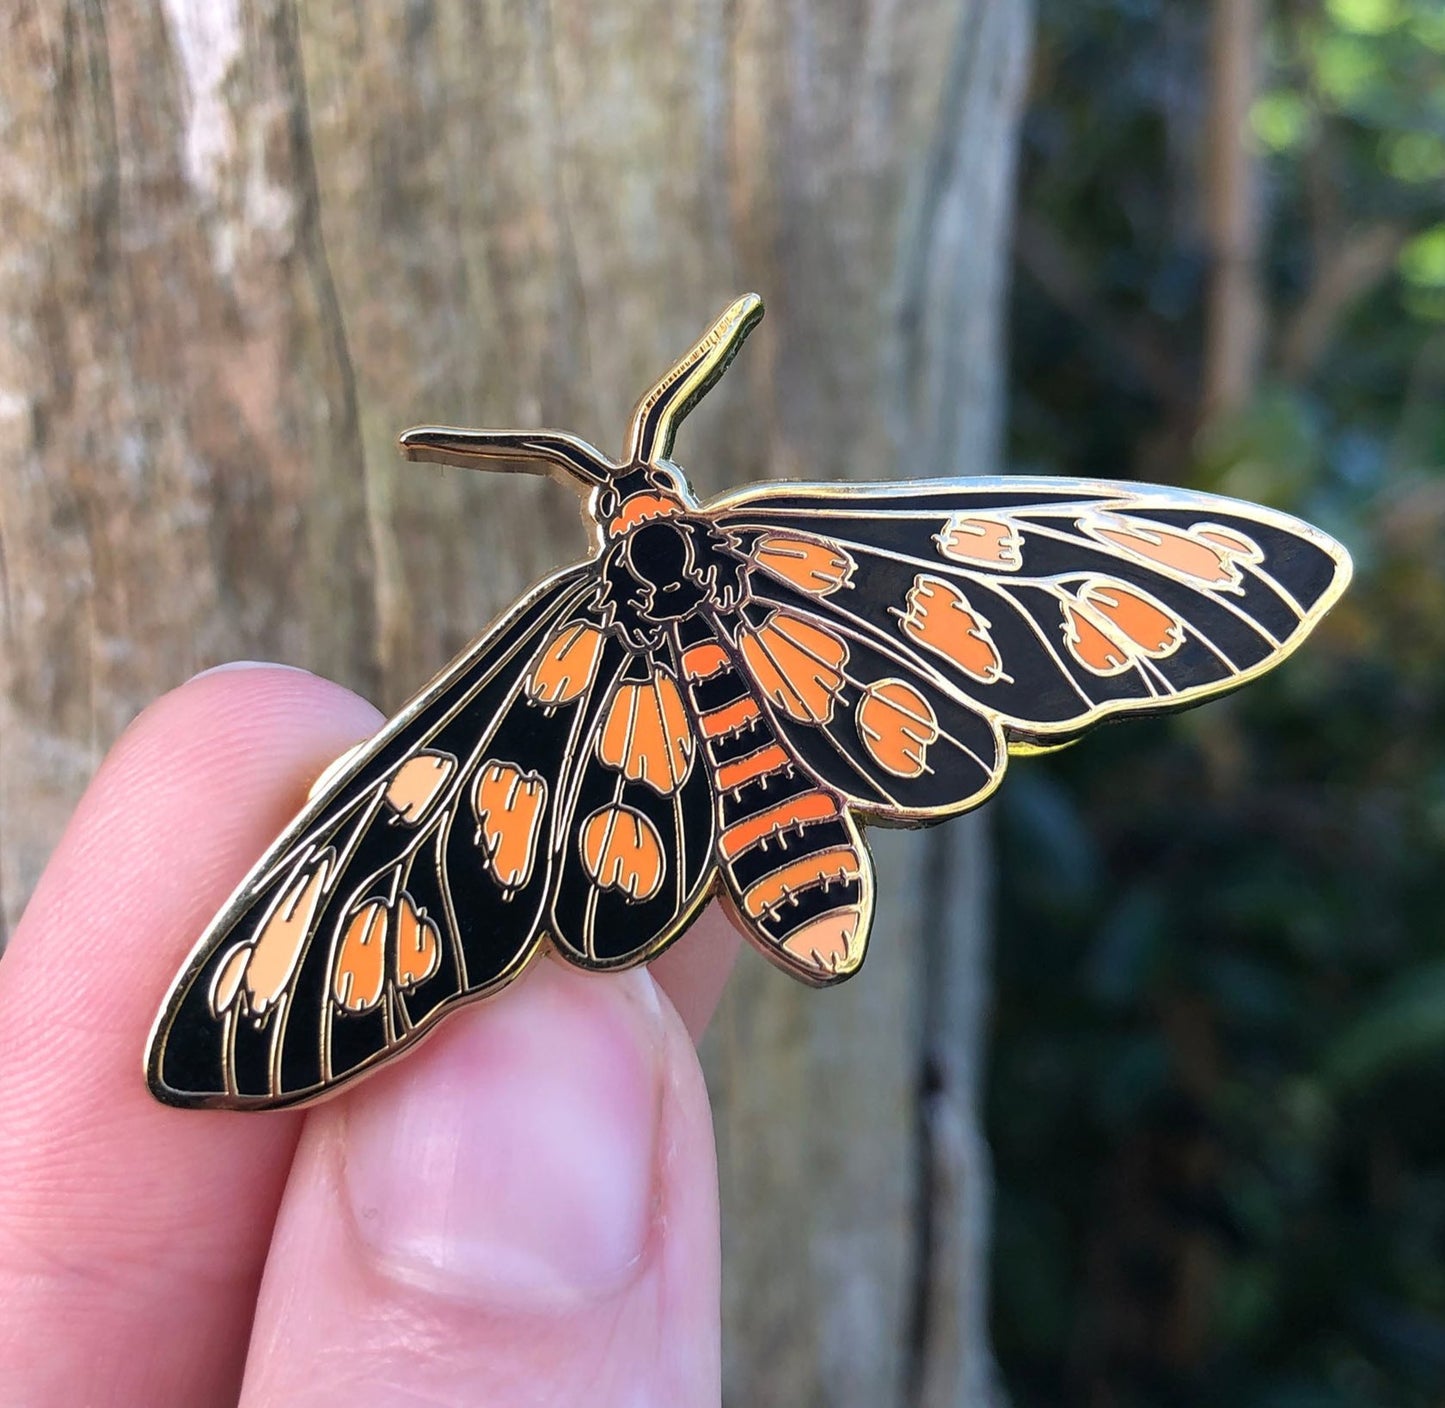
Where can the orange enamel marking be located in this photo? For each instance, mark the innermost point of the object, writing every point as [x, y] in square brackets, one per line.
[817, 568]
[646, 735]
[1205, 551]
[703, 661]
[508, 804]
[273, 954]
[567, 667]
[938, 616]
[897, 724]
[1153, 631]
[1177, 550]
[358, 976]
[227, 982]
[766, 760]
[1240, 548]
[417, 783]
[622, 851]
[416, 947]
[826, 944]
[1091, 647]
[809, 806]
[639, 508]
[731, 717]
[797, 665]
[981, 542]
[835, 865]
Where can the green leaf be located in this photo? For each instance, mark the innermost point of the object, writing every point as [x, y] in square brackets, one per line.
[1280, 120]
[1347, 68]
[1366, 16]
[1422, 261]
[1415, 157]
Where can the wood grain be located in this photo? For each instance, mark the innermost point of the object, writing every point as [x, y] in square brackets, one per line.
[243, 243]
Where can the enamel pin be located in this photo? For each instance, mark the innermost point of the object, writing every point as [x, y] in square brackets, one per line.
[716, 702]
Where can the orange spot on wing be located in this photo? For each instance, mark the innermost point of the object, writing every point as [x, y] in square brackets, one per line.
[703, 661]
[227, 983]
[768, 759]
[646, 736]
[938, 616]
[1206, 551]
[981, 542]
[374, 930]
[797, 665]
[1091, 647]
[358, 975]
[416, 948]
[417, 783]
[272, 956]
[509, 804]
[567, 666]
[897, 724]
[817, 568]
[833, 866]
[621, 850]
[1240, 548]
[1149, 629]
[808, 806]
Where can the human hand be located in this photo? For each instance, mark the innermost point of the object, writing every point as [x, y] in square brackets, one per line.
[522, 1211]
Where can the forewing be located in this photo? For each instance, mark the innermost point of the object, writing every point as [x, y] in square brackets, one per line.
[416, 877]
[633, 845]
[1041, 605]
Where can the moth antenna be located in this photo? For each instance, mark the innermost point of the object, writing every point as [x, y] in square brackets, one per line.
[658, 414]
[446, 444]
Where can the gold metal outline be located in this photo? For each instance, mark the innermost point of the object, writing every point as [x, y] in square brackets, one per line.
[571, 460]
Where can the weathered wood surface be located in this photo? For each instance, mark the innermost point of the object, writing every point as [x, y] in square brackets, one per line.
[242, 244]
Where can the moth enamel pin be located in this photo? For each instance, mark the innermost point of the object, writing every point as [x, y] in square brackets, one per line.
[715, 703]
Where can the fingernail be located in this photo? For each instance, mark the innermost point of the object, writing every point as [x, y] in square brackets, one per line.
[227, 665]
[513, 1159]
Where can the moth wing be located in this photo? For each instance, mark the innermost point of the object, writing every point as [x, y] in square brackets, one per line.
[633, 841]
[1040, 606]
[416, 877]
[858, 713]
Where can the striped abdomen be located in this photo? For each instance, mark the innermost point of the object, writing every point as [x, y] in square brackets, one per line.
[793, 861]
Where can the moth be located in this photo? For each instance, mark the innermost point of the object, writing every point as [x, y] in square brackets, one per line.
[715, 703]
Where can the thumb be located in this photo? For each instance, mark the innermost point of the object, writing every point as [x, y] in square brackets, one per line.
[522, 1212]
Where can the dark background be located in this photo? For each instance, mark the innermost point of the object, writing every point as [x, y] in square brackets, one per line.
[1219, 1035]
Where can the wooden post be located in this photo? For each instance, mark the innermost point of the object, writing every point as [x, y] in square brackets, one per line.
[242, 243]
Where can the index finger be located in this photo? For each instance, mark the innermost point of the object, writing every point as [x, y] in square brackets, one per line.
[132, 1236]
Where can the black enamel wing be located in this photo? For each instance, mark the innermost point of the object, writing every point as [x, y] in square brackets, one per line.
[714, 704]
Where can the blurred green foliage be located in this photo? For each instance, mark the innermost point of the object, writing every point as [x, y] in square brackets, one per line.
[1219, 1066]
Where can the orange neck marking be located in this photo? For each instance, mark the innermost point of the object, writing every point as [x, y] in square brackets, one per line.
[638, 509]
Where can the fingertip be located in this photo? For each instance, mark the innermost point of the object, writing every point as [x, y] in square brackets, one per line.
[231, 704]
[531, 1196]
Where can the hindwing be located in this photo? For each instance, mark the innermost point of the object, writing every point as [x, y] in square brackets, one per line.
[633, 844]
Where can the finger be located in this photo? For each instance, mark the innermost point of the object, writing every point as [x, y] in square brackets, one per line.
[694, 971]
[523, 1211]
[131, 1235]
